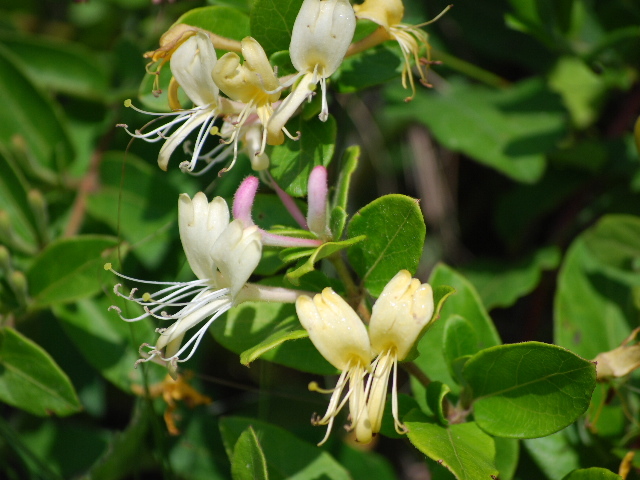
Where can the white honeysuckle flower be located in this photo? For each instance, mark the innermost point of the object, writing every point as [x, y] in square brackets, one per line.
[401, 313]
[411, 38]
[253, 83]
[341, 337]
[321, 35]
[223, 255]
[191, 66]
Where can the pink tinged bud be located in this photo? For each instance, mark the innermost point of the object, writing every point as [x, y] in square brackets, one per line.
[243, 200]
[317, 200]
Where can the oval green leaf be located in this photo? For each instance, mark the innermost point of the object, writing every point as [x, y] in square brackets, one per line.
[528, 390]
[69, 269]
[464, 449]
[395, 232]
[31, 380]
[272, 23]
[248, 461]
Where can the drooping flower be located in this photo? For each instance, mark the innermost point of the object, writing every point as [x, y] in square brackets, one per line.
[401, 313]
[411, 38]
[191, 65]
[320, 38]
[253, 83]
[341, 337]
[222, 254]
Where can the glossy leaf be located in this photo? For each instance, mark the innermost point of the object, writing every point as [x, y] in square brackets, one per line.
[292, 162]
[464, 449]
[31, 380]
[348, 165]
[556, 455]
[395, 232]
[272, 341]
[272, 23]
[593, 312]
[287, 457]
[70, 269]
[369, 68]
[528, 390]
[248, 461]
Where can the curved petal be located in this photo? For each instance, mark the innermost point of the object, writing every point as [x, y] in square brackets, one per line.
[195, 120]
[201, 223]
[192, 64]
[237, 253]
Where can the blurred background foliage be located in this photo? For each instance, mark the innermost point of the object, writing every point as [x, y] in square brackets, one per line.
[523, 157]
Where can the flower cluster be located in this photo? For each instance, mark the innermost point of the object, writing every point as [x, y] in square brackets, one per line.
[366, 358]
[245, 93]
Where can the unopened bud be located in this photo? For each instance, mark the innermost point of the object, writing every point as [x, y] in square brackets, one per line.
[5, 259]
[40, 212]
[6, 232]
[18, 283]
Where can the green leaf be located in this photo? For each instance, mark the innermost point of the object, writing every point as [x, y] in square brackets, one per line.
[108, 343]
[593, 473]
[507, 455]
[258, 329]
[323, 251]
[556, 454]
[292, 162]
[125, 448]
[436, 393]
[528, 390]
[14, 201]
[395, 232]
[272, 23]
[31, 380]
[593, 312]
[27, 114]
[464, 303]
[583, 91]
[460, 340]
[69, 269]
[62, 67]
[464, 449]
[508, 130]
[501, 285]
[248, 461]
[287, 456]
[272, 341]
[138, 201]
[369, 68]
[339, 205]
[365, 463]
[224, 21]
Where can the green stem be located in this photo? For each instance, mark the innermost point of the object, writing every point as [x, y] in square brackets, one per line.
[353, 291]
[414, 371]
[470, 70]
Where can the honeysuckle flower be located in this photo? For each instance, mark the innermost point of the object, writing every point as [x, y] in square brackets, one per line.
[341, 337]
[411, 38]
[191, 65]
[253, 83]
[401, 313]
[321, 35]
[222, 254]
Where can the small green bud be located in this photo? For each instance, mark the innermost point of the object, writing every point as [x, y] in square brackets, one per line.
[18, 283]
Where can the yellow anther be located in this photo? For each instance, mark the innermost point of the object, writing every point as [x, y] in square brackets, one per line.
[146, 297]
[127, 102]
[107, 266]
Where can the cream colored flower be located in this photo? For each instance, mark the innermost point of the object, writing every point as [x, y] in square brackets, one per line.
[411, 38]
[401, 313]
[222, 254]
[341, 337]
[321, 35]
